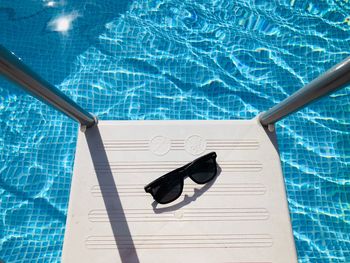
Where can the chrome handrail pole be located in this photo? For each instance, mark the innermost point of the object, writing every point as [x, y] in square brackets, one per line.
[14, 69]
[333, 79]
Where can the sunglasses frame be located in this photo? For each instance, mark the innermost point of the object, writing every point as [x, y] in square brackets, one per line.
[178, 176]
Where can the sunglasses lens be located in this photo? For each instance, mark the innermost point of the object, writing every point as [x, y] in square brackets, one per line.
[167, 192]
[203, 171]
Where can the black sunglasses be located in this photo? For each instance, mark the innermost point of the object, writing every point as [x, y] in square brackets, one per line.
[169, 187]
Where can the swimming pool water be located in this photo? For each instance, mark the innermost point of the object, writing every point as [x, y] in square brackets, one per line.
[172, 59]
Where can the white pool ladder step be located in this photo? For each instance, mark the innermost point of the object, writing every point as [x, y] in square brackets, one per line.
[241, 217]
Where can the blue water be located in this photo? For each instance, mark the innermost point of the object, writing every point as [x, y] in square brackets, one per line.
[172, 59]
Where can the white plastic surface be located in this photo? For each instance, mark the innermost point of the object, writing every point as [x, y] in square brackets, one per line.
[241, 217]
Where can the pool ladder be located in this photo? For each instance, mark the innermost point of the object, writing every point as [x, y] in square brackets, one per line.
[14, 69]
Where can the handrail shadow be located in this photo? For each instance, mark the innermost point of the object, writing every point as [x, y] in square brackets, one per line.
[187, 199]
[120, 228]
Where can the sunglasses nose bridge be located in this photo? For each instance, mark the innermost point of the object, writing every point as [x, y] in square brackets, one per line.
[184, 173]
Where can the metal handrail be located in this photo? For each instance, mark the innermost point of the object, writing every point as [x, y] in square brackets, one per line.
[14, 69]
[333, 79]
